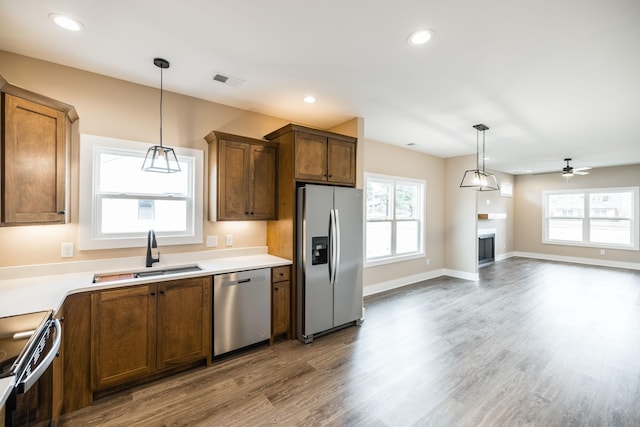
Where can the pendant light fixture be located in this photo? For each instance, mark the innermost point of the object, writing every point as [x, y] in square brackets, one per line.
[478, 179]
[160, 158]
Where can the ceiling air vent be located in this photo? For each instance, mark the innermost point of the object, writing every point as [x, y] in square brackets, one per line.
[227, 79]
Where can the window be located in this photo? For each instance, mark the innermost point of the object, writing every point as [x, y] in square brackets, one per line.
[395, 219]
[602, 217]
[120, 203]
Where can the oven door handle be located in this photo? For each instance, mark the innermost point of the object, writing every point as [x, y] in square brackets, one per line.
[24, 385]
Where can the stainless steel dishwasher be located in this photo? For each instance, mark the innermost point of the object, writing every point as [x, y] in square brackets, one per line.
[241, 309]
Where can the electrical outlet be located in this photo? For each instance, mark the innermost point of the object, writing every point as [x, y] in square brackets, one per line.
[67, 250]
[228, 240]
[427, 261]
[602, 251]
[212, 241]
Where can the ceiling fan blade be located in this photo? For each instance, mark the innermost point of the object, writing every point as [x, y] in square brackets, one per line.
[581, 169]
[579, 172]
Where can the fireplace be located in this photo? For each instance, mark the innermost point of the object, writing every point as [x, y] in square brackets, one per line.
[486, 248]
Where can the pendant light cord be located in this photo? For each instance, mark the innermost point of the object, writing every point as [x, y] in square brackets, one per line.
[483, 152]
[160, 107]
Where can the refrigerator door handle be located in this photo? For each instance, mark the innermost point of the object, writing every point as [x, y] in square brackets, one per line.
[336, 257]
[332, 247]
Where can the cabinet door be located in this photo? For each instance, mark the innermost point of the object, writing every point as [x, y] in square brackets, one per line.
[262, 190]
[35, 151]
[310, 157]
[123, 335]
[281, 301]
[184, 321]
[341, 161]
[281, 296]
[233, 179]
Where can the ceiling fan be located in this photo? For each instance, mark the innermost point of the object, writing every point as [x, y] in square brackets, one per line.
[569, 171]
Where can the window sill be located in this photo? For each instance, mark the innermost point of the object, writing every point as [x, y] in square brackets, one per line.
[392, 260]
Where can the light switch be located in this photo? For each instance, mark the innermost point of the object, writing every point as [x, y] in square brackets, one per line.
[67, 250]
[228, 240]
[212, 241]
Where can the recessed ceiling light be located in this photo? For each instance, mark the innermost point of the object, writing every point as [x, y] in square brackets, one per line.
[66, 22]
[309, 99]
[420, 37]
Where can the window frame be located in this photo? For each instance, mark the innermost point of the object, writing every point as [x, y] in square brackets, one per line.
[421, 220]
[90, 238]
[634, 220]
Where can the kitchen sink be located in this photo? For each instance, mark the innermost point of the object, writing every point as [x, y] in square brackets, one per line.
[108, 277]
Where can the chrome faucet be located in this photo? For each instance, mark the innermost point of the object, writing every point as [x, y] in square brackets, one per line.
[151, 243]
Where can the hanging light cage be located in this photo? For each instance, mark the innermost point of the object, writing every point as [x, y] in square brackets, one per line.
[159, 158]
[479, 179]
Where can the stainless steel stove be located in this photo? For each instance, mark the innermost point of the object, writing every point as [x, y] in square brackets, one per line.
[28, 345]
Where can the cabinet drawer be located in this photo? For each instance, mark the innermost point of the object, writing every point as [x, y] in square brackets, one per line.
[280, 274]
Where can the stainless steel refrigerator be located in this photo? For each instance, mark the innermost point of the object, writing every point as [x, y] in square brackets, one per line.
[329, 259]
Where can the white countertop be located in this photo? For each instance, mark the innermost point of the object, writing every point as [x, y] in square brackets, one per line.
[47, 292]
[21, 295]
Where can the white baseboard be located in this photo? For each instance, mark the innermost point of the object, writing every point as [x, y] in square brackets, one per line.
[465, 275]
[577, 260]
[403, 281]
[505, 256]
[410, 280]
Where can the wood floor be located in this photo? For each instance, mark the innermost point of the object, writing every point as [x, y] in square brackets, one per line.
[532, 343]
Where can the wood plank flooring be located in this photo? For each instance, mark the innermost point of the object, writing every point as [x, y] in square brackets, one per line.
[532, 343]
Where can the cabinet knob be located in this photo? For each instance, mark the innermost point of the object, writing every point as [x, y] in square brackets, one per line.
[153, 294]
[61, 212]
[161, 292]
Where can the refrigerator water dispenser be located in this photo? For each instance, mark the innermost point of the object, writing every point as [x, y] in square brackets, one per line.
[319, 245]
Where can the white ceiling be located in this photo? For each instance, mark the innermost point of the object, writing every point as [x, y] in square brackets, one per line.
[551, 78]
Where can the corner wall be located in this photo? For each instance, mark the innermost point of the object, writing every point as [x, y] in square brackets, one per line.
[493, 202]
[460, 227]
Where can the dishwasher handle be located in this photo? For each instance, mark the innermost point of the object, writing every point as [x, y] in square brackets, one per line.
[235, 282]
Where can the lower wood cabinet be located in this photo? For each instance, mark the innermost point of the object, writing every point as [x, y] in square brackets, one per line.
[140, 330]
[280, 301]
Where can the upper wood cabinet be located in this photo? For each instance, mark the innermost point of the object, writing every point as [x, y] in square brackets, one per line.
[35, 152]
[320, 156]
[246, 177]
